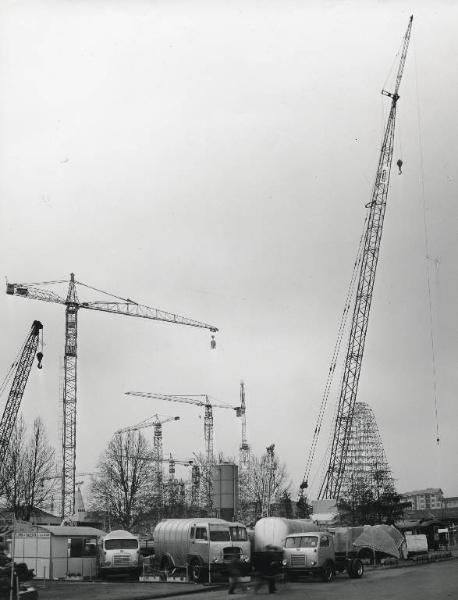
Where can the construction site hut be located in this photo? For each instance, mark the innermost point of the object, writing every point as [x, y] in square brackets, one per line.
[58, 552]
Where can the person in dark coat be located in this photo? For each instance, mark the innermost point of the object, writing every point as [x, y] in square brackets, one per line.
[235, 572]
[268, 565]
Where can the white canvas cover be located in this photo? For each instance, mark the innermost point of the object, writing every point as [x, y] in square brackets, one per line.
[382, 538]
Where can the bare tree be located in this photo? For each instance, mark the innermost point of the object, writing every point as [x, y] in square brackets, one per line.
[29, 473]
[265, 480]
[123, 483]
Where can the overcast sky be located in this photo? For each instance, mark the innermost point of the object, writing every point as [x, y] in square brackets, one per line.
[214, 158]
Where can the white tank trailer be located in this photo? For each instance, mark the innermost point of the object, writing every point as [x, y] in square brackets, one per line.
[272, 531]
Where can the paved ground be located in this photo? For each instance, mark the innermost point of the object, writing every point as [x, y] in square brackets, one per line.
[435, 581]
[114, 590]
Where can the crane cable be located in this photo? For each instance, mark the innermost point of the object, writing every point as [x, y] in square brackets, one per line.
[335, 355]
[427, 258]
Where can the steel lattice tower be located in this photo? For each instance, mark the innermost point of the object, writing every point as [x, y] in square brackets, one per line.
[367, 469]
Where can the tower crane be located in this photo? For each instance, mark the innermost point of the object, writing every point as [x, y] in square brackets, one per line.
[158, 455]
[197, 400]
[244, 450]
[332, 481]
[268, 485]
[195, 473]
[117, 305]
[19, 372]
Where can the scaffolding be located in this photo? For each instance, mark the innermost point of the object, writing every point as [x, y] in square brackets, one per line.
[367, 473]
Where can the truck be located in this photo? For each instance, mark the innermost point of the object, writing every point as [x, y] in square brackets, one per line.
[119, 554]
[322, 554]
[201, 546]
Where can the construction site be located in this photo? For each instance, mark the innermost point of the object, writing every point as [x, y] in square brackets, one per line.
[159, 451]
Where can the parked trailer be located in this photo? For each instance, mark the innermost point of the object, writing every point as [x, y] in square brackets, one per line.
[200, 546]
[119, 554]
[317, 553]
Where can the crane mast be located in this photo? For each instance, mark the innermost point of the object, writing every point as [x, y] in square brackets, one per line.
[332, 482]
[244, 450]
[22, 371]
[122, 306]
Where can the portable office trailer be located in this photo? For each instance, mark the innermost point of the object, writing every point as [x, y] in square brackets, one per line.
[56, 552]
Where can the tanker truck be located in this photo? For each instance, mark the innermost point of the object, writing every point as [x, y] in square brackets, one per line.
[322, 554]
[201, 546]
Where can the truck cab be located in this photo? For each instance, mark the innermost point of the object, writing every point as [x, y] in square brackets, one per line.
[309, 553]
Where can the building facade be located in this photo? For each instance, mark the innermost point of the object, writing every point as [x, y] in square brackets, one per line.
[430, 498]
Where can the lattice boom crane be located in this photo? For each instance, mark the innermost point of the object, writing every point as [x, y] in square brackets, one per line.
[332, 482]
[120, 306]
[19, 372]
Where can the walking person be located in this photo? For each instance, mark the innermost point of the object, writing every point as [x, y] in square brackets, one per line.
[235, 573]
[268, 565]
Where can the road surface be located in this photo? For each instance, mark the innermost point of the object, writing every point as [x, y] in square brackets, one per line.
[435, 581]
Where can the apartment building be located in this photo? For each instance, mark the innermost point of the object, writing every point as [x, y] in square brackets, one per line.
[427, 499]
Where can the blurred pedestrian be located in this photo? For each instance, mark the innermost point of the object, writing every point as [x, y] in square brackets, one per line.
[268, 565]
[235, 572]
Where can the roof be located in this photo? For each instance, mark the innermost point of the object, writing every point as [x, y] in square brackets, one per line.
[315, 533]
[67, 531]
[325, 517]
[425, 491]
[420, 524]
[118, 534]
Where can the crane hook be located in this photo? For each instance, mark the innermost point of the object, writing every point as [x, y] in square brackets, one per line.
[399, 164]
[39, 358]
[213, 343]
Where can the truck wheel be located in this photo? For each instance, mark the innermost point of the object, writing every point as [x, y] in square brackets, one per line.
[327, 573]
[196, 571]
[355, 569]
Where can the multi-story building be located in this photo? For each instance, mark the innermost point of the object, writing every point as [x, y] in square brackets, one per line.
[430, 498]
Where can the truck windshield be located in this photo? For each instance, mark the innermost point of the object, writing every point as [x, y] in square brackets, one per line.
[122, 544]
[219, 535]
[238, 534]
[304, 541]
